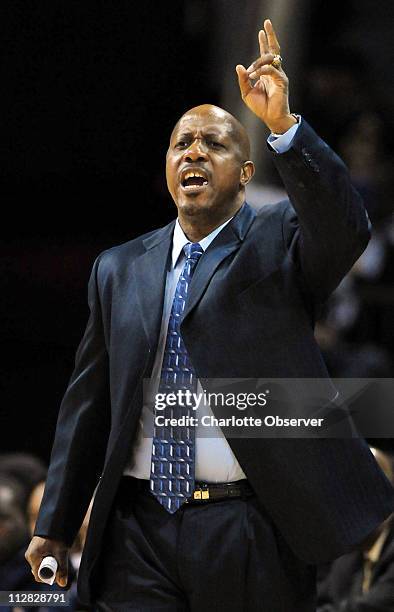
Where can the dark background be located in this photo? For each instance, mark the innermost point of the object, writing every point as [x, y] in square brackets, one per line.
[89, 94]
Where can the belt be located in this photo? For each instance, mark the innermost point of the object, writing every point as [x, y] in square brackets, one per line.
[203, 492]
[218, 492]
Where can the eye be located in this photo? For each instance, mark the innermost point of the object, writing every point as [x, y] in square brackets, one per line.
[181, 144]
[215, 144]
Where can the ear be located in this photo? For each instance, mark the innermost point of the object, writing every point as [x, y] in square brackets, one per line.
[247, 172]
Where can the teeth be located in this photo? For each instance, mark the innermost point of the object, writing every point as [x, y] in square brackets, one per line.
[191, 174]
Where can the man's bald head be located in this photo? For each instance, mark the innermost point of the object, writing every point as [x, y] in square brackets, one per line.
[215, 114]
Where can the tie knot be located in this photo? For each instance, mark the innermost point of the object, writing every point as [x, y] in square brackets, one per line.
[193, 250]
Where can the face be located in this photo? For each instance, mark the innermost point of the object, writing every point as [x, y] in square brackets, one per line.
[205, 167]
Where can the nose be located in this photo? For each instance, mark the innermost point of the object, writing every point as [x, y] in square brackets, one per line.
[195, 152]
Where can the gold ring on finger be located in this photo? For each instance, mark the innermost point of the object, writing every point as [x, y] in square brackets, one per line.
[277, 62]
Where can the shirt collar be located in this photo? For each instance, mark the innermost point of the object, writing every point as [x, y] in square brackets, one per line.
[179, 240]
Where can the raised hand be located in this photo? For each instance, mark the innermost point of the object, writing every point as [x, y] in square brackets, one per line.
[264, 87]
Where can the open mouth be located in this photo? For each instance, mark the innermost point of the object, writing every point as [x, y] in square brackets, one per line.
[193, 180]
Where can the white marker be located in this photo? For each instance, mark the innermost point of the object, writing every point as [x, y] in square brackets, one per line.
[47, 570]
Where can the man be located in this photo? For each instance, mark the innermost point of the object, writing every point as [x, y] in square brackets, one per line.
[179, 521]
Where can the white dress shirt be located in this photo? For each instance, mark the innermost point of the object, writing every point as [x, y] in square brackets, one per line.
[215, 461]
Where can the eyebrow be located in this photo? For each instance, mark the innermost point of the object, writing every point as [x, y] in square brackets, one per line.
[205, 135]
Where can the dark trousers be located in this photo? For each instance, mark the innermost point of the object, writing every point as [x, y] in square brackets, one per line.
[223, 555]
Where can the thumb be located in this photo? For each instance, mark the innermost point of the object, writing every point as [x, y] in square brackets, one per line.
[243, 80]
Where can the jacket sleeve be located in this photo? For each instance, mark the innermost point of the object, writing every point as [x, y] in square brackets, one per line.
[81, 433]
[327, 228]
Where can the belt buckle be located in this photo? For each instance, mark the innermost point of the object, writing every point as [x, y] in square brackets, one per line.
[200, 493]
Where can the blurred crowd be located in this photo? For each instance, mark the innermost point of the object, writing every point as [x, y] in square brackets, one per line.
[356, 331]
[22, 482]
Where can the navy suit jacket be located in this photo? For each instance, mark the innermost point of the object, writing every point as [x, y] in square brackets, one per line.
[250, 313]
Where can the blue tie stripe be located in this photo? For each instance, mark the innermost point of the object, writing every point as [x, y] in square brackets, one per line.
[173, 448]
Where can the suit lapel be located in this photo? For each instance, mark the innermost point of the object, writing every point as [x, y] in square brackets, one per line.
[150, 272]
[150, 269]
[227, 241]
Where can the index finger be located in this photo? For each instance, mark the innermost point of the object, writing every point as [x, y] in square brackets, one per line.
[263, 42]
[273, 44]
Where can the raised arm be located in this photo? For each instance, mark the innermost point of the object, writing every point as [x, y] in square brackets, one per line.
[326, 229]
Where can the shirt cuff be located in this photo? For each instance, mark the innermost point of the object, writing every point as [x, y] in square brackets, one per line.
[282, 142]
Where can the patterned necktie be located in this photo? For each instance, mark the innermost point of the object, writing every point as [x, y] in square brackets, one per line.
[173, 448]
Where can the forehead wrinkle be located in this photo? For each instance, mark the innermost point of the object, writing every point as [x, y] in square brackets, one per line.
[205, 131]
